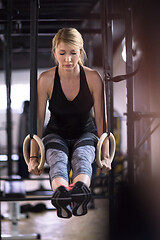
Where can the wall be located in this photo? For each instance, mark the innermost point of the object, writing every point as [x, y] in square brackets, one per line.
[20, 92]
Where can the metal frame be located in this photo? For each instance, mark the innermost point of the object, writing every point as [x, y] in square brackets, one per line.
[8, 69]
[129, 85]
[33, 65]
[107, 50]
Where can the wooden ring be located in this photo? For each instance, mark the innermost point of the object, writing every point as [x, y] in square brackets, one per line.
[99, 148]
[41, 146]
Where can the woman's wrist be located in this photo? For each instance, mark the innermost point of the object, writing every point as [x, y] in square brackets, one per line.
[34, 157]
[105, 156]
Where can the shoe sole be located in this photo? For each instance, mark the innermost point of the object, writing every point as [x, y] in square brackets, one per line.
[62, 204]
[81, 200]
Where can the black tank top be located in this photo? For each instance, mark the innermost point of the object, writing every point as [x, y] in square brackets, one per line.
[70, 119]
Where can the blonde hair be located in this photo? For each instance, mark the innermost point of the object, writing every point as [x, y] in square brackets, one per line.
[72, 37]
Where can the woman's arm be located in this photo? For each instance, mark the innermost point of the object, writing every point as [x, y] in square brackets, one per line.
[98, 96]
[42, 94]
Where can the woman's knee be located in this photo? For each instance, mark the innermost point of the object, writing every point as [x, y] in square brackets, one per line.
[58, 163]
[82, 160]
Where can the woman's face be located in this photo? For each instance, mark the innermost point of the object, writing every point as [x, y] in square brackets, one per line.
[67, 56]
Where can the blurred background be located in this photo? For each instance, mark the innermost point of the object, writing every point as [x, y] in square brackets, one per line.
[132, 43]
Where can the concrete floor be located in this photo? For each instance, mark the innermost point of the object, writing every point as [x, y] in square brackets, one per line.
[93, 226]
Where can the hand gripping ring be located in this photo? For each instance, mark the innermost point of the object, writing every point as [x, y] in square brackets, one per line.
[41, 146]
[112, 149]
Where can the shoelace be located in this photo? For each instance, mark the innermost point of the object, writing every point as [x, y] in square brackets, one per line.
[70, 187]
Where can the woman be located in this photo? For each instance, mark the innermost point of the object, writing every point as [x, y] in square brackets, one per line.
[71, 136]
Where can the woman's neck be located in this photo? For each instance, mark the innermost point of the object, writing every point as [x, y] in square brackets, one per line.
[69, 73]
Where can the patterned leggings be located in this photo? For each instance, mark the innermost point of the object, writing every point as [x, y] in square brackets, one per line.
[62, 154]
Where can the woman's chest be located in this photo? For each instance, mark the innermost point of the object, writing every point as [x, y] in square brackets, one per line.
[70, 89]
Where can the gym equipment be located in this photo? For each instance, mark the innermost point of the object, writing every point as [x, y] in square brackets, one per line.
[107, 132]
[33, 86]
[15, 189]
[41, 146]
[99, 147]
[23, 131]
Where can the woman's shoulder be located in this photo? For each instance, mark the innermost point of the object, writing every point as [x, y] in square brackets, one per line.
[93, 76]
[46, 81]
[48, 74]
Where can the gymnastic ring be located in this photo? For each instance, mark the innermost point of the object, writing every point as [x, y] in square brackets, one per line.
[41, 146]
[112, 149]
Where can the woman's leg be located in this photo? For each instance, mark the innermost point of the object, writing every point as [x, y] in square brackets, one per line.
[58, 163]
[82, 160]
[57, 158]
[61, 197]
[57, 182]
[83, 178]
[82, 171]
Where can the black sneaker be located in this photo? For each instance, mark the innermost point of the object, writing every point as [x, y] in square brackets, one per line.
[81, 196]
[61, 199]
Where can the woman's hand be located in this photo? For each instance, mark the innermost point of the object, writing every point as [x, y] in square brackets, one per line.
[106, 164]
[33, 167]
[105, 156]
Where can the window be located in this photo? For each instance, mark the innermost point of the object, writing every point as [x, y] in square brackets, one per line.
[19, 94]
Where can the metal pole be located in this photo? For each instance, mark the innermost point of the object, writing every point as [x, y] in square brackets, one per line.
[130, 114]
[8, 69]
[33, 66]
[107, 49]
